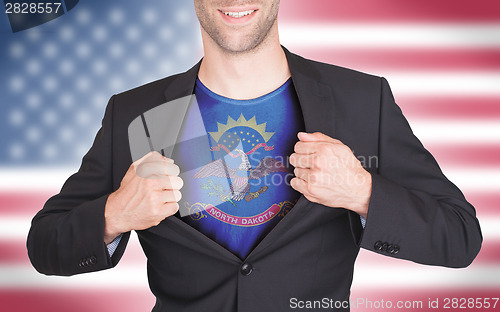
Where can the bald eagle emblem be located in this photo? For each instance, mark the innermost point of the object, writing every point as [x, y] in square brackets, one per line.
[239, 186]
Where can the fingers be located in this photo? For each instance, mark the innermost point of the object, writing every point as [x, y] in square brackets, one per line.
[316, 137]
[157, 169]
[311, 176]
[171, 208]
[171, 196]
[302, 147]
[302, 187]
[152, 157]
[313, 147]
[302, 161]
[299, 185]
[301, 173]
[171, 183]
[165, 183]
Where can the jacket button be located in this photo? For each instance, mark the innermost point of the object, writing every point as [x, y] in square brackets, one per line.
[395, 249]
[378, 245]
[246, 269]
[390, 249]
[384, 246]
[93, 260]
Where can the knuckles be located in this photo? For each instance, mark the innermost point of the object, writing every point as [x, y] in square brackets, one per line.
[292, 159]
[177, 195]
[314, 176]
[177, 182]
[171, 169]
[311, 190]
[156, 169]
[325, 148]
[319, 161]
[172, 208]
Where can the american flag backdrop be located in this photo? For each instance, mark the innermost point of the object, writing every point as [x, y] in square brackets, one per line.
[441, 57]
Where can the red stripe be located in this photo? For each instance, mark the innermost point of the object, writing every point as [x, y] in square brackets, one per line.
[383, 60]
[18, 202]
[106, 300]
[77, 300]
[450, 107]
[489, 254]
[486, 204]
[367, 299]
[391, 11]
[15, 252]
[463, 156]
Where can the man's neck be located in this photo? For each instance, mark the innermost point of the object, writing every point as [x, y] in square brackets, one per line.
[244, 75]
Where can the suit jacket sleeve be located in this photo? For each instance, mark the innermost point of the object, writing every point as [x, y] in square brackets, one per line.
[414, 209]
[67, 235]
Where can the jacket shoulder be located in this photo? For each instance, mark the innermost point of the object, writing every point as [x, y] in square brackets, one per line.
[335, 74]
[130, 104]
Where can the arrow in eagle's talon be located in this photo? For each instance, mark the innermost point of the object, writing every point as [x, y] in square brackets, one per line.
[254, 195]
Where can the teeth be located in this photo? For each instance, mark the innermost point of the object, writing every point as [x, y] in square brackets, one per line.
[239, 14]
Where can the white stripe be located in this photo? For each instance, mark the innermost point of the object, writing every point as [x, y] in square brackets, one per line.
[16, 228]
[390, 276]
[472, 180]
[123, 277]
[429, 132]
[469, 179]
[130, 276]
[42, 180]
[470, 83]
[370, 36]
[385, 276]
[465, 132]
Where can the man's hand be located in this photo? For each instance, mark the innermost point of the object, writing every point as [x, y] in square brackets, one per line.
[327, 172]
[148, 193]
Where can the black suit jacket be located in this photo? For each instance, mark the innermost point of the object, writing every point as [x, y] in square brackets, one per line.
[415, 213]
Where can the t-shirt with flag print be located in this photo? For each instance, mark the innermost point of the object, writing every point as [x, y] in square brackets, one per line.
[242, 190]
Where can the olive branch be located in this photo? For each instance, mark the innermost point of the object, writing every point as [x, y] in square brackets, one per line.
[216, 190]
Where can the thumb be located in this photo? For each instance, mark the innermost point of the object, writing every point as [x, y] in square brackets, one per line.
[316, 137]
[143, 158]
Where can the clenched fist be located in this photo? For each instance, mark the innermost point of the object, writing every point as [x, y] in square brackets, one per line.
[148, 193]
[327, 172]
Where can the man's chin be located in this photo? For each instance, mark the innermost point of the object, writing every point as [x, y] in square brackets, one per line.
[240, 46]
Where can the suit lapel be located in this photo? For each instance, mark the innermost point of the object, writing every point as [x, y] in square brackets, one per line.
[183, 84]
[315, 97]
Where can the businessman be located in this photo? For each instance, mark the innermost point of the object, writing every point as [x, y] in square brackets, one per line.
[250, 244]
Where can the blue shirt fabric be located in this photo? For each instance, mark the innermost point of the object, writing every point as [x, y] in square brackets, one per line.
[242, 191]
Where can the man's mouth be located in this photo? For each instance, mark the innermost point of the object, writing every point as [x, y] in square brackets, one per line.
[239, 14]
